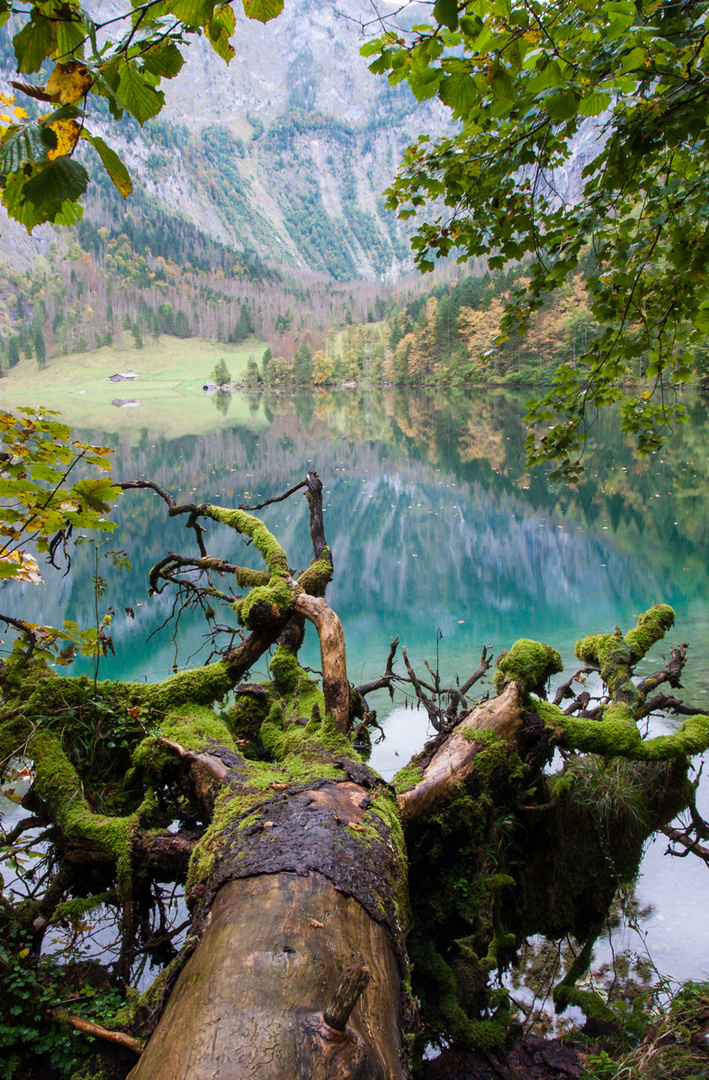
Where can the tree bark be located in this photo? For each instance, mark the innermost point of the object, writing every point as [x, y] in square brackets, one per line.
[453, 761]
[250, 1001]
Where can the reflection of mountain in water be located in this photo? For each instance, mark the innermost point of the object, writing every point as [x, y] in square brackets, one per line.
[431, 517]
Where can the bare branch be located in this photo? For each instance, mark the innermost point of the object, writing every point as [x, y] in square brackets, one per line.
[27, 631]
[276, 498]
[564, 691]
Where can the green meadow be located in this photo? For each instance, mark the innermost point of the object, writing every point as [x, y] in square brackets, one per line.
[169, 396]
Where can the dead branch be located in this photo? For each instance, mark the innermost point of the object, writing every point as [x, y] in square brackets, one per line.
[276, 498]
[384, 681]
[457, 694]
[670, 673]
[435, 714]
[27, 631]
[172, 563]
[173, 508]
[564, 691]
[336, 688]
[354, 982]
[317, 525]
[690, 845]
[454, 757]
[89, 1028]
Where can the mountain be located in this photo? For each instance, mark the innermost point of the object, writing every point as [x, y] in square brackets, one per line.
[286, 151]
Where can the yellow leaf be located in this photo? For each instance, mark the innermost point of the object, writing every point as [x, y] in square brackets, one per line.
[23, 953]
[68, 83]
[28, 570]
[67, 133]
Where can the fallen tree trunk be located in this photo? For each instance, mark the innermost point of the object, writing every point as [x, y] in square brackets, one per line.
[251, 1000]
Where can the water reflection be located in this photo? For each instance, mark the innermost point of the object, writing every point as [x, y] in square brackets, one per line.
[433, 521]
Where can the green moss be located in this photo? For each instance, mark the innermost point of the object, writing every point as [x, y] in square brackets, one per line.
[530, 663]
[384, 809]
[249, 579]
[273, 554]
[196, 728]
[200, 686]
[278, 593]
[287, 673]
[566, 992]
[407, 778]
[616, 736]
[316, 578]
[612, 651]
[651, 628]
[74, 910]
[58, 785]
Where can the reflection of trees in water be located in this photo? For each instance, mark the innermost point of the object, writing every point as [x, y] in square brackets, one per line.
[428, 502]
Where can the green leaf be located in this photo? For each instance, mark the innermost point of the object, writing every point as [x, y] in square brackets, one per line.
[445, 12]
[263, 10]
[458, 88]
[71, 35]
[220, 29]
[33, 44]
[112, 164]
[29, 143]
[134, 92]
[193, 13]
[56, 182]
[370, 48]
[562, 106]
[98, 494]
[701, 320]
[164, 60]
[595, 103]
[30, 214]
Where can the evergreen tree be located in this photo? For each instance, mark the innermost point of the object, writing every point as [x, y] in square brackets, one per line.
[40, 349]
[182, 326]
[303, 365]
[253, 375]
[13, 353]
[137, 335]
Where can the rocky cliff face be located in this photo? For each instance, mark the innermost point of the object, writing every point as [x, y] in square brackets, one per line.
[308, 136]
[287, 150]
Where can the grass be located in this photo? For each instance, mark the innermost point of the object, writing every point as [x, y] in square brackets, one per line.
[671, 1044]
[171, 400]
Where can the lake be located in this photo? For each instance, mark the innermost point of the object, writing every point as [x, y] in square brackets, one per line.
[440, 537]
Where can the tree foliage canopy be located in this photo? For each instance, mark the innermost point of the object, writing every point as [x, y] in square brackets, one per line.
[525, 81]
